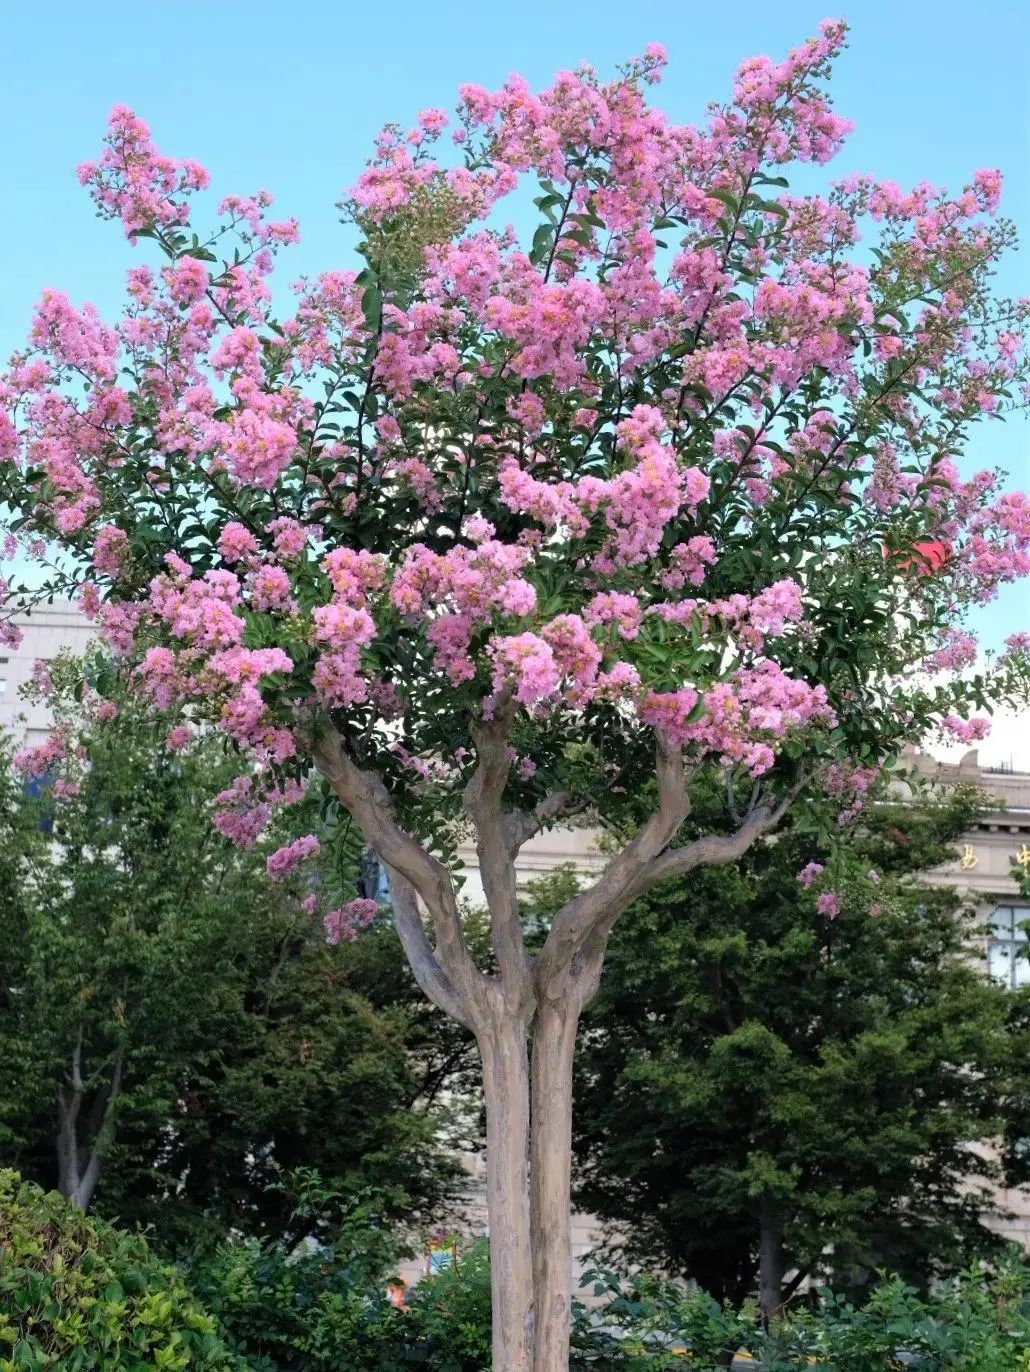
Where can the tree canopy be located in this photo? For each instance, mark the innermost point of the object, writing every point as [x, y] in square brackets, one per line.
[753, 1068]
[175, 1028]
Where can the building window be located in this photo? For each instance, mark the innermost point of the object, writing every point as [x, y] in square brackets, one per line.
[1008, 951]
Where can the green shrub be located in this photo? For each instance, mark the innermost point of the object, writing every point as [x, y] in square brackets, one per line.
[320, 1307]
[76, 1294]
[447, 1324]
[323, 1307]
[978, 1322]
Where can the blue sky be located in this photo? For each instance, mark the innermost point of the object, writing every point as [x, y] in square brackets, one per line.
[288, 97]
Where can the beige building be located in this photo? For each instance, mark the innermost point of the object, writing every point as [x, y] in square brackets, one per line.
[993, 852]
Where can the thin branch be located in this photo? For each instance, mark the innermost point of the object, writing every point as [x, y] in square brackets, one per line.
[587, 911]
[712, 850]
[584, 925]
[483, 797]
[520, 827]
[407, 919]
[366, 799]
[791, 1287]
[78, 1085]
[83, 1193]
[68, 1107]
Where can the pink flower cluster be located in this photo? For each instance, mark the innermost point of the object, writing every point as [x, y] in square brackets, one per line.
[241, 812]
[958, 650]
[288, 858]
[742, 720]
[598, 475]
[638, 504]
[135, 183]
[38, 762]
[809, 872]
[348, 921]
[966, 730]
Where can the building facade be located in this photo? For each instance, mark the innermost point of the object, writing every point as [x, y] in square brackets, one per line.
[992, 858]
[47, 631]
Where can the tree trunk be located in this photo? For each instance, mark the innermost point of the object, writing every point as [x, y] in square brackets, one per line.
[554, 1043]
[79, 1164]
[528, 1147]
[67, 1145]
[770, 1270]
[506, 1091]
[530, 1238]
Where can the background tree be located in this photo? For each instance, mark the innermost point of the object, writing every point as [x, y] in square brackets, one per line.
[488, 532]
[1016, 1152]
[128, 1077]
[767, 1089]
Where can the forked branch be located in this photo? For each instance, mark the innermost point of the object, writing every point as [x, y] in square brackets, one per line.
[585, 923]
[520, 827]
[365, 798]
[483, 797]
[407, 918]
[588, 910]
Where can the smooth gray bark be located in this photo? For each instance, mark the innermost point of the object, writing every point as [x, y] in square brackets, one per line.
[506, 1092]
[80, 1151]
[770, 1269]
[554, 1045]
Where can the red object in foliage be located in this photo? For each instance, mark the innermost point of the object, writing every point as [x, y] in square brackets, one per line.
[928, 555]
[396, 1291]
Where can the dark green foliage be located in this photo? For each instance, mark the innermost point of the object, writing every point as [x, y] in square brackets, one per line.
[320, 1307]
[752, 1064]
[978, 1321]
[217, 1038]
[324, 1306]
[77, 1295]
[447, 1326]
[325, 1311]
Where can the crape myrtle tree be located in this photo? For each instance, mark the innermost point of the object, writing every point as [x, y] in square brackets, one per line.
[490, 530]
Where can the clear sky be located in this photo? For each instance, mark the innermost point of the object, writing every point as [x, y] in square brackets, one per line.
[287, 96]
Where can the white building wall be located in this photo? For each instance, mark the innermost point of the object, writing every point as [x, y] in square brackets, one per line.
[47, 630]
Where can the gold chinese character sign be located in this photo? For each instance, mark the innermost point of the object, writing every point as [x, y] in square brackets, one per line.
[969, 859]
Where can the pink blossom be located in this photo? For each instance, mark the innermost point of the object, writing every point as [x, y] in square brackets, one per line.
[526, 665]
[966, 730]
[38, 761]
[288, 537]
[236, 542]
[177, 740]
[286, 859]
[109, 550]
[240, 813]
[828, 904]
[349, 920]
[135, 183]
[809, 873]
